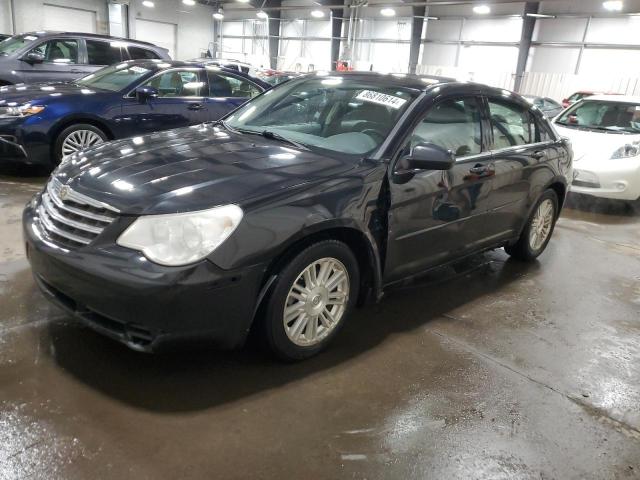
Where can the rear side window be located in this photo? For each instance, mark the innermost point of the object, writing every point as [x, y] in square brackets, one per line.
[452, 124]
[512, 124]
[62, 50]
[139, 53]
[103, 53]
[222, 85]
[178, 83]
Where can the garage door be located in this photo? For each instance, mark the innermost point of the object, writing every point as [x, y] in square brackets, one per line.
[158, 33]
[69, 19]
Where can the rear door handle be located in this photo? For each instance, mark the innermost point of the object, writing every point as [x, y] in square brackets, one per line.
[538, 155]
[195, 106]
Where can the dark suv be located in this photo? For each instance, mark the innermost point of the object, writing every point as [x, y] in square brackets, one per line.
[61, 56]
[294, 208]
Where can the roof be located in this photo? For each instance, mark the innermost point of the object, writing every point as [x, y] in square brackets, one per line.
[419, 82]
[45, 33]
[615, 98]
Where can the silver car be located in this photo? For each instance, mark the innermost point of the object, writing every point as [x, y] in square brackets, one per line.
[62, 56]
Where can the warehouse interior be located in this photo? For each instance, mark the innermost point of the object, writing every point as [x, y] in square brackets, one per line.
[485, 367]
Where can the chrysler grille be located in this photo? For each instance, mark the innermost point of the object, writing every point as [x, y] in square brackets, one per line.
[71, 218]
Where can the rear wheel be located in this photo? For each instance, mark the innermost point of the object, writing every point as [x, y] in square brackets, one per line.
[538, 230]
[76, 138]
[312, 297]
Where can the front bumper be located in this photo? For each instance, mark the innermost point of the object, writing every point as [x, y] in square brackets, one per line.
[119, 293]
[20, 142]
[615, 179]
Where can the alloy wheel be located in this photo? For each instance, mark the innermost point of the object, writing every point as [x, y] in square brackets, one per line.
[79, 140]
[541, 224]
[316, 302]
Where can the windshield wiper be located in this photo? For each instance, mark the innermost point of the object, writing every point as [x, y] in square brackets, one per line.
[276, 136]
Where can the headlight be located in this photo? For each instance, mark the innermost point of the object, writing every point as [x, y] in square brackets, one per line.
[627, 151]
[182, 238]
[21, 110]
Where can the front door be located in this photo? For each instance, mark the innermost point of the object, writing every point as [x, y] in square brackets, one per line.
[180, 102]
[61, 62]
[438, 215]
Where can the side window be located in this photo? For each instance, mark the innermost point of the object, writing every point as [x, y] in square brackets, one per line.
[512, 124]
[64, 50]
[221, 85]
[178, 83]
[452, 124]
[139, 53]
[103, 53]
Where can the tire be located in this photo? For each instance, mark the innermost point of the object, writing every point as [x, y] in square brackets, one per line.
[74, 135]
[294, 340]
[529, 246]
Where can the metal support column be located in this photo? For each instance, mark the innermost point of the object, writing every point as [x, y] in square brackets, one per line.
[416, 37]
[528, 24]
[336, 34]
[274, 31]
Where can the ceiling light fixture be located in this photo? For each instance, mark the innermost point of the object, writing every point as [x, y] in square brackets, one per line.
[190, 3]
[317, 13]
[613, 5]
[388, 12]
[540, 15]
[481, 9]
[218, 15]
[148, 3]
[262, 14]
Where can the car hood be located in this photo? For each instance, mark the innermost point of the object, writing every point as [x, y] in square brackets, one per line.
[594, 145]
[191, 169]
[41, 91]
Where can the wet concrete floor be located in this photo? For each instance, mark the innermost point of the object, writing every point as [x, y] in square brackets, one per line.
[489, 369]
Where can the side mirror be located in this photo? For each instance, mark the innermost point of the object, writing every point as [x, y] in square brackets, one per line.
[33, 57]
[143, 94]
[427, 156]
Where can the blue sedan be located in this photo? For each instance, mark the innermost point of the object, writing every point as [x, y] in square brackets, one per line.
[42, 123]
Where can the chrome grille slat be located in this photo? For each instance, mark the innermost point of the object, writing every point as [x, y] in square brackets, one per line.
[50, 226]
[83, 213]
[72, 219]
[56, 215]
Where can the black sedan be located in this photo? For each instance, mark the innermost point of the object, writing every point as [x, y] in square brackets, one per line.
[294, 209]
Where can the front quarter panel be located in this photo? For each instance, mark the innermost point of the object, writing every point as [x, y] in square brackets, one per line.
[272, 226]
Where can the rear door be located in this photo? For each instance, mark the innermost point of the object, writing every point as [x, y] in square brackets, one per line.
[227, 92]
[436, 216]
[519, 148]
[180, 102]
[101, 53]
[62, 61]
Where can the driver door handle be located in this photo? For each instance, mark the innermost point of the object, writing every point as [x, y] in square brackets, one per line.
[538, 154]
[196, 106]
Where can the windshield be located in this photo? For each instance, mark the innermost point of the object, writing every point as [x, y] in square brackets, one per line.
[114, 78]
[338, 114]
[603, 115]
[13, 44]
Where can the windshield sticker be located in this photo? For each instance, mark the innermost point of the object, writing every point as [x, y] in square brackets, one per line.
[381, 99]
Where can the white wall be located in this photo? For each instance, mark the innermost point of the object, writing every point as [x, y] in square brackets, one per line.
[29, 17]
[5, 17]
[194, 24]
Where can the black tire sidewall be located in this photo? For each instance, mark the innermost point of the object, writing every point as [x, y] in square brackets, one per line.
[547, 195]
[276, 336]
[57, 151]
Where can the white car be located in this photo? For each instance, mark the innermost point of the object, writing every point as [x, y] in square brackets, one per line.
[605, 133]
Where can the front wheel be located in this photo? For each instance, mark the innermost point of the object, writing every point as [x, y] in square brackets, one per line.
[537, 232]
[76, 138]
[312, 297]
